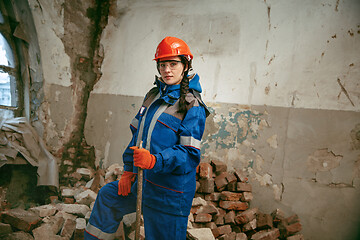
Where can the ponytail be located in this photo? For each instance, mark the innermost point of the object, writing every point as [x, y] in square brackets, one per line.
[184, 85]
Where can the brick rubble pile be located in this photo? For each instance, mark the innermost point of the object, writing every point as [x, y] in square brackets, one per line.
[221, 210]
[222, 207]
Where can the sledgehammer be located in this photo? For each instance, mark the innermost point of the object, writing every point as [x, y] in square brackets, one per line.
[139, 199]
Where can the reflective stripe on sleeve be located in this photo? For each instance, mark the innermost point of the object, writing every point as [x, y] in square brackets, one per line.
[141, 129]
[157, 114]
[92, 230]
[190, 141]
[135, 123]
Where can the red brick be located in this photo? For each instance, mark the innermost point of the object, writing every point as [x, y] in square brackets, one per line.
[229, 218]
[197, 186]
[219, 166]
[221, 181]
[247, 197]
[244, 187]
[21, 219]
[205, 170]
[215, 232]
[233, 205]
[266, 235]
[236, 228]
[230, 196]
[219, 218]
[246, 216]
[240, 175]
[293, 228]
[278, 216]
[210, 225]
[193, 210]
[206, 185]
[213, 197]
[225, 229]
[296, 237]
[69, 200]
[232, 186]
[292, 219]
[264, 221]
[241, 236]
[229, 236]
[203, 218]
[231, 177]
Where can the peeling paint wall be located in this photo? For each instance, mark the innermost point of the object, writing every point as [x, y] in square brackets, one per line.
[69, 36]
[281, 79]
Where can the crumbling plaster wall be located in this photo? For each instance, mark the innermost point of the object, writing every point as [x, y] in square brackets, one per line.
[69, 36]
[281, 81]
[280, 78]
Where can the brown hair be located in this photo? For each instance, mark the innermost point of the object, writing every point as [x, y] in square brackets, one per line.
[184, 85]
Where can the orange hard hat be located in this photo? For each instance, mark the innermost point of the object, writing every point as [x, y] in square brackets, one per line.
[172, 46]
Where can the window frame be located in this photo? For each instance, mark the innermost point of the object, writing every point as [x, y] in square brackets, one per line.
[7, 29]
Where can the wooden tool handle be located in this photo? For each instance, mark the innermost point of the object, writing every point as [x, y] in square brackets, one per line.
[139, 199]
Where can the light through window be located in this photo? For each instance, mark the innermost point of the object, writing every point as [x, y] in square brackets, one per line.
[8, 92]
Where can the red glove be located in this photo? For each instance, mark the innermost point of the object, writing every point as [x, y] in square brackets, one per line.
[143, 158]
[125, 183]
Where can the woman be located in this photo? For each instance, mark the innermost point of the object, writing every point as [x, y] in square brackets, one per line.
[170, 125]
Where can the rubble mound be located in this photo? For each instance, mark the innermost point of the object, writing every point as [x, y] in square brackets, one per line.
[221, 210]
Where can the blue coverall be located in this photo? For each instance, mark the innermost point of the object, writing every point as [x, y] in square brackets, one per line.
[169, 187]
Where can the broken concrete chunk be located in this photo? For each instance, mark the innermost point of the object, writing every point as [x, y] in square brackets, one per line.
[200, 234]
[80, 229]
[21, 219]
[86, 197]
[65, 215]
[198, 201]
[86, 173]
[77, 209]
[210, 209]
[68, 228]
[44, 211]
[49, 229]
[67, 192]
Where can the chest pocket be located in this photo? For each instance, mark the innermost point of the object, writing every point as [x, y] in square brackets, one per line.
[165, 133]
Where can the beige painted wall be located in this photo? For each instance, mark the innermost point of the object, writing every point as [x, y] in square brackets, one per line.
[280, 77]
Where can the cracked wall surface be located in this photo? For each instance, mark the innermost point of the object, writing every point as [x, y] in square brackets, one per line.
[280, 78]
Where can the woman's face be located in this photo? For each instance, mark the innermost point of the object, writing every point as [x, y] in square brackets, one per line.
[171, 70]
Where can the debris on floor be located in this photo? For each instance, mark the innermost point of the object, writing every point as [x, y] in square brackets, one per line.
[221, 210]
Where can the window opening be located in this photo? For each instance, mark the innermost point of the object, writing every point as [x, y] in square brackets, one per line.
[8, 88]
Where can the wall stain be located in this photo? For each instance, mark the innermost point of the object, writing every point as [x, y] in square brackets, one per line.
[355, 137]
[323, 160]
[337, 6]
